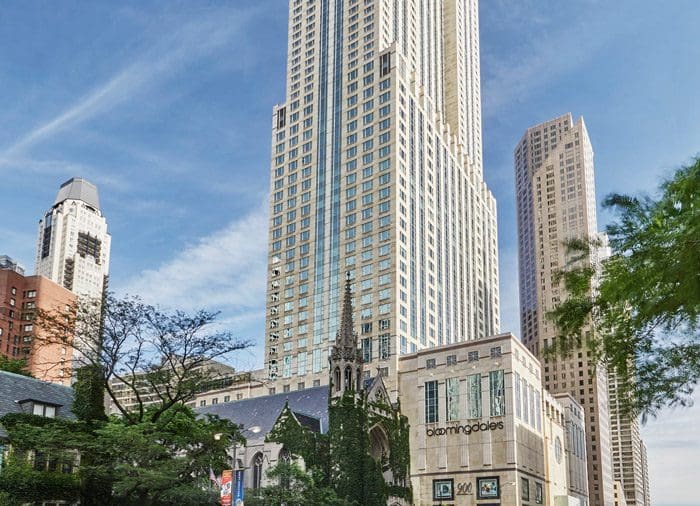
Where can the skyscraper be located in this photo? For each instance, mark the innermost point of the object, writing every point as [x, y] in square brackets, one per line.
[377, 171]
[555, 195]
[73, 243]
[628, 450]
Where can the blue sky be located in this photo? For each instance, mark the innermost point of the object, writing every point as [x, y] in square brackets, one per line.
[166, 106]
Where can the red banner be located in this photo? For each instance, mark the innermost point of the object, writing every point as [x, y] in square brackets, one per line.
[226, 484]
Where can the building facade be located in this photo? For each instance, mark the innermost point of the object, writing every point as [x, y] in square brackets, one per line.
[20, 336]
[9, 263]
[73, 244]
[484, 428]
[628, 450]
[555, 194]
[376, 171]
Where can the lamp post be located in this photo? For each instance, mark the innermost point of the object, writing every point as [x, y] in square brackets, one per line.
[253, 430]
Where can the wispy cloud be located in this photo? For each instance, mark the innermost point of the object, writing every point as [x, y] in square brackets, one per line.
[194, 39]
[558, 49]
[225, 270]
[673, 449]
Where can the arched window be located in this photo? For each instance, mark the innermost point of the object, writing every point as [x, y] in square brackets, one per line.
[284, 455]
[348, 378]
[336, 379]
[257, 470]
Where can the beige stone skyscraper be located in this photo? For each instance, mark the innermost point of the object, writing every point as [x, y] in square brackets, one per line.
[376, 171]
[73, 244]
[628, 451]
[555, 195]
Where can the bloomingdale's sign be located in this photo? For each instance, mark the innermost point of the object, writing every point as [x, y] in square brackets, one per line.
[463, 429]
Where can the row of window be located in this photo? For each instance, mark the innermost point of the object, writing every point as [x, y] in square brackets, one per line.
[455, 407]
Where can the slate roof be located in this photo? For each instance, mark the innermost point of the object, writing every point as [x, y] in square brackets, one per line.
[78, 188]
[15, 387]
[263, 412]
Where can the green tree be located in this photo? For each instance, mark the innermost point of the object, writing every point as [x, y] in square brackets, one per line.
[150, 463]
[160, 358]
[17, 366]
[157, 453]
[294, 487]
[644, 304]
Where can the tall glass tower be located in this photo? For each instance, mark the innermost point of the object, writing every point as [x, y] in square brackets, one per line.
[377, 172]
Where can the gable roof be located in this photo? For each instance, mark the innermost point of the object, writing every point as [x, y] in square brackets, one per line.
[310, 405]
[15, 389]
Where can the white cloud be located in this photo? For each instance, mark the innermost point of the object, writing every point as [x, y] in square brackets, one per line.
[192, 40]
[225, 270]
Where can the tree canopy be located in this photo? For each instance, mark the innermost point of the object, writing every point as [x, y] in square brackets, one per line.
[14, 365]
[161, 358]
[158, 452]
[644, 299]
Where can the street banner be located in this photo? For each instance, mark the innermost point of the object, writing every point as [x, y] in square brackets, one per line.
[238, 490]
[226, 487]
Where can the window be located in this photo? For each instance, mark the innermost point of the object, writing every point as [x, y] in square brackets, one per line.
[495, 352]
[44, 410]
[431, 401]
[443, 489]
[384, 347]
[539, 493]
[497, 393]
[367, 349]
[516, 394]
[257, 470]
[473, 356]
[488, 488]
[430, 363]
[317, 360]
[474, 396]
[451, 359]
[524, 489]
[525, 403]
[227, 398]
[452, 399]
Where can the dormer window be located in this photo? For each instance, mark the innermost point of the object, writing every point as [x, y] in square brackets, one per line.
[46, 410]
[39, 408]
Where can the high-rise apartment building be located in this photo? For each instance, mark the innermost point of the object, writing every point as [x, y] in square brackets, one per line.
[20, 336]
[9, 263]
[555, 194]
[73, 244]
[628, 450]
[376, 171]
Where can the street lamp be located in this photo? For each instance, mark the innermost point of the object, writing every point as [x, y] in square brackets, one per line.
[253, 430]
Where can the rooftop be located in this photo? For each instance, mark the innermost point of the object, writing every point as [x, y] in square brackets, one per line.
[263, 411]
[77, 188]
[15, 388]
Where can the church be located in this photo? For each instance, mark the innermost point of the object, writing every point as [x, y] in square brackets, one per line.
[349, 429]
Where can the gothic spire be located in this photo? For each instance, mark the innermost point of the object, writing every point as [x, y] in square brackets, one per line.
[346, 333]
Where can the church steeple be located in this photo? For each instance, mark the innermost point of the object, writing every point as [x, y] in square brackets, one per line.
[346, 358]
[346, 337]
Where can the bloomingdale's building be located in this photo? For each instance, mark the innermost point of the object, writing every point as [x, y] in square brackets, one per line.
[484, 431]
